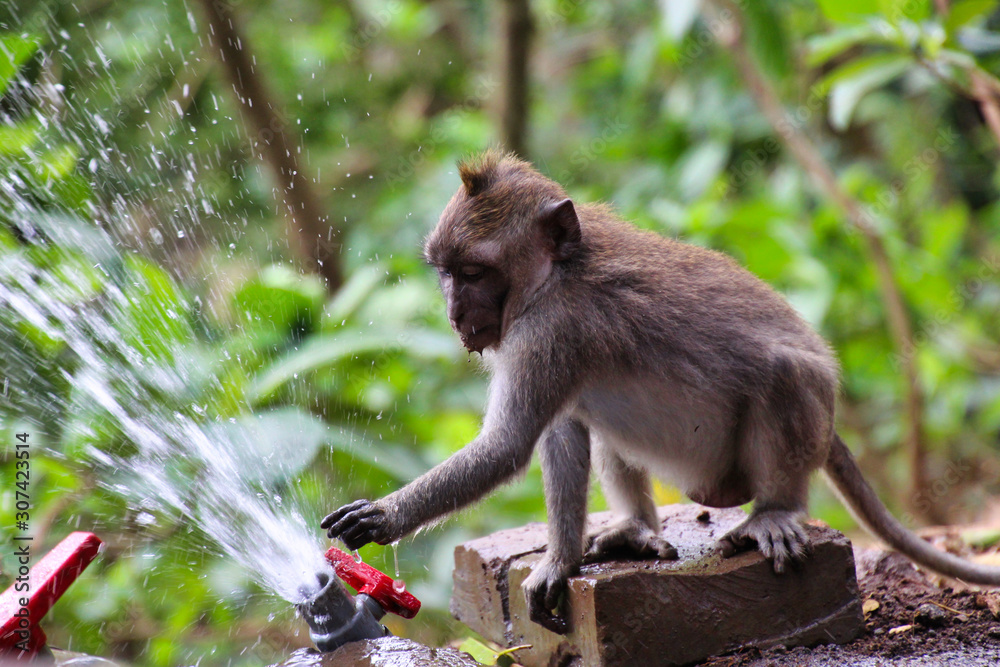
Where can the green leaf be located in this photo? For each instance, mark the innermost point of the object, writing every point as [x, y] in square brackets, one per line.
[822, 48]
[699, 168]
[896, 10]
[57, 163]
[967, 12]
[767, 39]
[353, 293]
[979, 41]
[323, 350]
[156, 319]
[679, 16]
[281, 298]
[71, 233]
[73, 191]
[14, 50]
[397, 460]
[479, 651]
[850, 83]
[17, 139]
[982, 538]
[847, 11]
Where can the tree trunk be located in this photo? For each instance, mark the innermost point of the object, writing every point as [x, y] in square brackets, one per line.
[517, 30]
[309, 230]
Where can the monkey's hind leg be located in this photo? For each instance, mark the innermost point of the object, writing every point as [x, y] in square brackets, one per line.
[781, 441]
[629, 494]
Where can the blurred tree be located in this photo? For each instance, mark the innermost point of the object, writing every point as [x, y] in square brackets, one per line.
[316, 239]
[517, 30]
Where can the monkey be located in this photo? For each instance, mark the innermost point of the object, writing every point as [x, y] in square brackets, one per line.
[618, 348]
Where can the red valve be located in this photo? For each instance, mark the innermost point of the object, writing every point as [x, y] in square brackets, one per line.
[32, 594]
[378, 585]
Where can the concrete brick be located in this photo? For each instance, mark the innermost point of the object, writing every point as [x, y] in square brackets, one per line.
[661, 612]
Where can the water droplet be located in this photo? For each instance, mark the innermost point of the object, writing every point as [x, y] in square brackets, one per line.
[399, 586]
[357, 556]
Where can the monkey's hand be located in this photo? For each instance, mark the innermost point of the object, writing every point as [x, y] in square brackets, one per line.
[629, 537]
[361, 522]
[777, 533]
[543, 589]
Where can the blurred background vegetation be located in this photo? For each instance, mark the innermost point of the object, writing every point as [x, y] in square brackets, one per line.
[265, 203]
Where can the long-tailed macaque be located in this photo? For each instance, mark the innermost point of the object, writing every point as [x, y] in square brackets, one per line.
[647, 355]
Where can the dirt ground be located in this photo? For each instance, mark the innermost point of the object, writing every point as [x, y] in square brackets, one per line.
[912, 620]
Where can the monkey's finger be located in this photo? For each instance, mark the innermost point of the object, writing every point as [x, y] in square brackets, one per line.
[734, 544]
[361, 531]
[767, 547]
[338, 514]
[607, 542]
[356, 537]
[780, 560]
[798, 543]
[355, 542]
[545, 618]
[339, 529]
[346, 531]
[351, 519]
[777, 547]
[664, 549]
[553, 592]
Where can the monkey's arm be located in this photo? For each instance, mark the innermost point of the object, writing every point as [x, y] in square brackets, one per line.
[519, 410]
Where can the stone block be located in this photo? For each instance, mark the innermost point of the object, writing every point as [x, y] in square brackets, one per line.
[654, 612]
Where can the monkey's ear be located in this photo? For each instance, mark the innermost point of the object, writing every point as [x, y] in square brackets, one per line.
[561, 228]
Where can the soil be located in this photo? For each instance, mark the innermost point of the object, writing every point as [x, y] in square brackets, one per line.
[919, 621]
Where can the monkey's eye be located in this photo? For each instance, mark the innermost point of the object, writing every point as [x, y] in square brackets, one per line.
[444, 273]
[471, 272]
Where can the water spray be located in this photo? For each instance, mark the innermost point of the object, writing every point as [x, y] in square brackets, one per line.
[335, 618]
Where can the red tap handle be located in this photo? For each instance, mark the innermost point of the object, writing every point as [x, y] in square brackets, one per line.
[366, 579]
[33, 593]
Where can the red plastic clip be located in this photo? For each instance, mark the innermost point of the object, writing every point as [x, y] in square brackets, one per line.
[378, 585]
[32, 594]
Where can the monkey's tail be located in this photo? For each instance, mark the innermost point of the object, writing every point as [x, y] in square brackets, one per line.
[843, 472]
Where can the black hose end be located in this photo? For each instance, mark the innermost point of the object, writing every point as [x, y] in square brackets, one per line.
[335, 618]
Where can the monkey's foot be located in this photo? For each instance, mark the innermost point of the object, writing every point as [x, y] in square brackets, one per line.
[777, 533]
[630, 537]
[543, 590]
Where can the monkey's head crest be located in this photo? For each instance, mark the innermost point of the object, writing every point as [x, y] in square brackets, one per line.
[481, 171]
[500, 193]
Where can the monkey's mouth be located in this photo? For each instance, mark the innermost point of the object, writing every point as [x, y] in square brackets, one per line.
[478, 339]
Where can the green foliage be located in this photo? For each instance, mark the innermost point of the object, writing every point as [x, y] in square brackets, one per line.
[132, 202]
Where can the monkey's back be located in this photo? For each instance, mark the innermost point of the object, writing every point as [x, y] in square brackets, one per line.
[694, 312]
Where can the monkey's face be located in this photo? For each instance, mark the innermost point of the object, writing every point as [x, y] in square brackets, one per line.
[495, 245]
[475, 294]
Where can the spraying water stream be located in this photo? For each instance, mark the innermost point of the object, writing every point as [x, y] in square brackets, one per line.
[69, 290]
[214, 474]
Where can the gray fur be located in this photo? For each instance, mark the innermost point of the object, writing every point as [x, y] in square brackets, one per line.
[656, 356]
